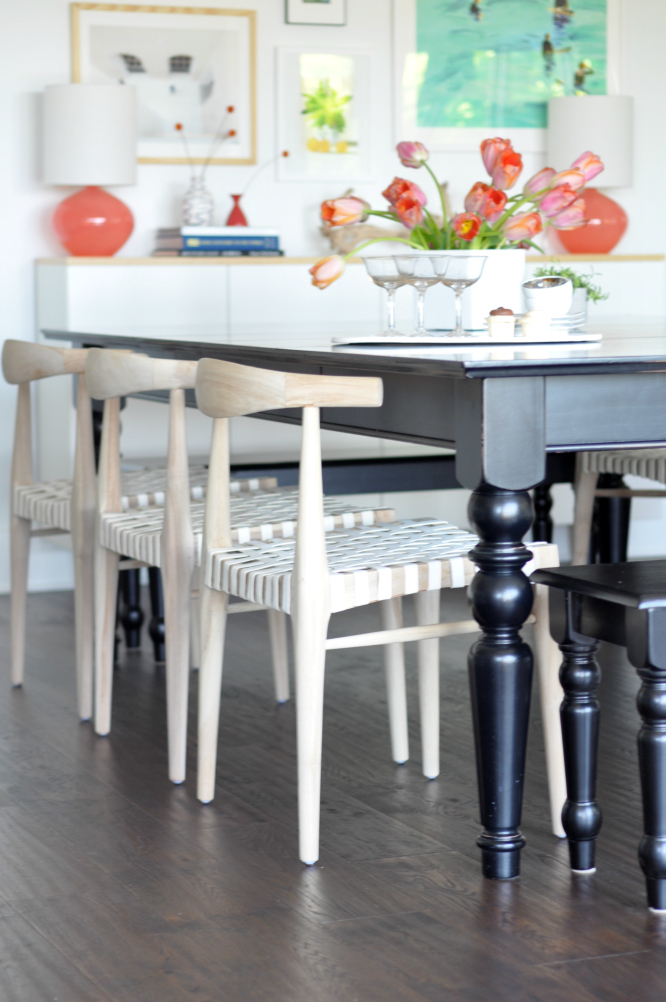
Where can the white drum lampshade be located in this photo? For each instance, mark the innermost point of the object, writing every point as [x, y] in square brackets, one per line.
[90, 138]
[604, 125]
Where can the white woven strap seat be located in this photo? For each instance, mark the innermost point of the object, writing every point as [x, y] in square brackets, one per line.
[367, 564]
[260, 515]
[648, 463]
[49, 502]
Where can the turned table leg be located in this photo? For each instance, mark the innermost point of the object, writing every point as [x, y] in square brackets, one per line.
[542, 530]
[156, 625]
[500, 671]
[652, 762]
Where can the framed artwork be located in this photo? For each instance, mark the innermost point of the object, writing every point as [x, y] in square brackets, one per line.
[467, 69]
[189, 66]
[316, 11]
[323, 112]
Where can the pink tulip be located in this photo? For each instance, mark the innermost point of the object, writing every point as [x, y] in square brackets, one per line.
[524, 226]
[574, 178]
[412, 154]
[343, 211]
[398, 188]
[490, 151]
[572, 217]
[409, 211]
[557, 199]
[475, 196]
[493, 205]
[326, 271]
[466, 225]
[539, 182]
[589, 164]
[506, 171]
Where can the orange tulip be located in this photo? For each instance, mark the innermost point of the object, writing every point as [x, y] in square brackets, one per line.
[487, 202]
[574, 178]
[409, 211]
[524, 226]
[398, 188]
[506, 171]
[466, 225]
[344, 211]
[326, 271]
[475, 196]
[589, 164]
[490, 151]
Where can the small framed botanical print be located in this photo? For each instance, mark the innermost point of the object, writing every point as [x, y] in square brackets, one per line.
[316, 11]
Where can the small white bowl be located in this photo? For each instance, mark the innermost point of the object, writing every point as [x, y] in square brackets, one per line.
[501, 326]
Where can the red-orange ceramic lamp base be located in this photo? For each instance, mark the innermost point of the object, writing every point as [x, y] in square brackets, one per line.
[607, 223]
[92, 223]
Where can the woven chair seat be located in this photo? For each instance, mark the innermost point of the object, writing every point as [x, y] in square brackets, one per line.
[366, 564]
[260, 515]
[648, 463]
[49, 502]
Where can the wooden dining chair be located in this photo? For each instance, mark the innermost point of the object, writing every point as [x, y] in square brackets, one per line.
[317, 574]
[170, 537]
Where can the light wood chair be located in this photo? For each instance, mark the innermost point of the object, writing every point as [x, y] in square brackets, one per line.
[647, 463]
[317, 574]
[170, 537]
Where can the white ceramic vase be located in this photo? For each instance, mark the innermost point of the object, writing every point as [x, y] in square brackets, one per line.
[198, 204]
[499, 285]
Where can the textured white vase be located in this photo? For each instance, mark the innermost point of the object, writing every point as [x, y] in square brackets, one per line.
[499, 285]
[198, 204]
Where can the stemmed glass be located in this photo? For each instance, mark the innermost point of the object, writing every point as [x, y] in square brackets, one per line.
[384, 272]
[458, 273]
[417, 270]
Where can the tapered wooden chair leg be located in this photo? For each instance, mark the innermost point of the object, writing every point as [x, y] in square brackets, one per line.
[584, 487]
[310, 658]
[84, 618]
[277, 631]
[19, 543]
[213, 608]
[390, 614]
[106, 598]
[427, 613]
[548, 660]
[177, 642]
[195, 627]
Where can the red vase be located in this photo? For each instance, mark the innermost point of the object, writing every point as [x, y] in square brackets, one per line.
[606, 224]
[236, 217]
[92, 223]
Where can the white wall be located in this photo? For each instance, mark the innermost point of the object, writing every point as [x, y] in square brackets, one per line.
[35, 35]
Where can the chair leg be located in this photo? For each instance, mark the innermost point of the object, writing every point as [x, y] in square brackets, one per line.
[19, 544]
[584, 488]
[390, 614]
[84, 613]
[177, 589]
[581, 817]
[106, 600]
[310, 659]
[548, 661]
[427, 613]
[195, 628]
[213, 608]
[652, 763]
[277, 632]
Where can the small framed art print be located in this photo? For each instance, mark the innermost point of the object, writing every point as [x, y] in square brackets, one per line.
[316, 11]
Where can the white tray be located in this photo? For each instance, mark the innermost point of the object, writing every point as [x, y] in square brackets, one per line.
[482, 340]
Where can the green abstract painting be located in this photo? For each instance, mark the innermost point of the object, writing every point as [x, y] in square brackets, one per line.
[495, 63]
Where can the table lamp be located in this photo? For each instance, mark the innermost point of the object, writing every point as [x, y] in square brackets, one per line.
[604, 124]
[90, 138]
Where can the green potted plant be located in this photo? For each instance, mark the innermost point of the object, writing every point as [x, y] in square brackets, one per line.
[584, 288]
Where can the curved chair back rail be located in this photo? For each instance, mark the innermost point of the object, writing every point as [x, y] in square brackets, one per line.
[25, 361]
[226, 389]
[118, 373]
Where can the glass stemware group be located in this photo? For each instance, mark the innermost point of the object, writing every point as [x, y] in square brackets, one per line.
[423, 271]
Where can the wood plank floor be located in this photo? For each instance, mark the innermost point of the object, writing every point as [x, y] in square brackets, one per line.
[115, 885]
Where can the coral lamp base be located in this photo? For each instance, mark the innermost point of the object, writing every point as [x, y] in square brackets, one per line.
[92, 223]
[606, 225]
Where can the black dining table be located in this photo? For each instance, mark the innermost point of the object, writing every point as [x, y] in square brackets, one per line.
[503, 409]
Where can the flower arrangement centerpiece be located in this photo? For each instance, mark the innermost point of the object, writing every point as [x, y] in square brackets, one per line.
[492, 219]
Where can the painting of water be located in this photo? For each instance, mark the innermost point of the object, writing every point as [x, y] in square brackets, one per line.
[496, 63]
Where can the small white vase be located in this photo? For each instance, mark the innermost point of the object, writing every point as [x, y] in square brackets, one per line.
[501, 284]
[579, 302]
[198, 204]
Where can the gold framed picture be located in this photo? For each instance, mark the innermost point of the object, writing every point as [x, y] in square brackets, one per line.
[193, 69]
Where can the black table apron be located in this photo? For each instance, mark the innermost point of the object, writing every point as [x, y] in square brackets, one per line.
[502, 411]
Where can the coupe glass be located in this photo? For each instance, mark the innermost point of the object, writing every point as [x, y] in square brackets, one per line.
[418, 270]
[384, 272]
[458, 273]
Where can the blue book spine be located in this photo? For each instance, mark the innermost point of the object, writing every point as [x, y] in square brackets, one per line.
[238, 243]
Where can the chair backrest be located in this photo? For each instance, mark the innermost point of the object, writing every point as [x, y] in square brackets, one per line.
[24, 362]
[119, 373]
[224, 390]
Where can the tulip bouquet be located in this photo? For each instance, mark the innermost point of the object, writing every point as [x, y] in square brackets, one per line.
[492, 219]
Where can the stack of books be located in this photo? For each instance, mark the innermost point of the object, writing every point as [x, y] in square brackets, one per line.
[217, 241]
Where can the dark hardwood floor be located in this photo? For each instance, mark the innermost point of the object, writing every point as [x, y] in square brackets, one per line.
[115, 885]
